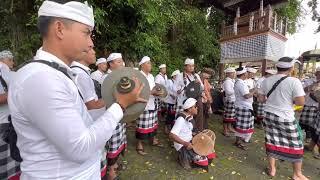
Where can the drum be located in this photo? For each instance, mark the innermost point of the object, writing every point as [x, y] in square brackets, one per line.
[121, 81]
[203, 143]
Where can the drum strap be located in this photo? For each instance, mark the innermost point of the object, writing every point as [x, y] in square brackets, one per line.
[276, 85]
[54, 65]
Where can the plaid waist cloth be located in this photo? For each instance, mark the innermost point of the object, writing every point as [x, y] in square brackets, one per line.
[308, 115]
[147, 122]
[316, 130]
[178, 109]
[118, 141]
[8, 167]
[245, 120]
[229, 112]
[283, 139]
[259, 110]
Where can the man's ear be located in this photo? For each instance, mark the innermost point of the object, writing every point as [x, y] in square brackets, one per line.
[59, 29]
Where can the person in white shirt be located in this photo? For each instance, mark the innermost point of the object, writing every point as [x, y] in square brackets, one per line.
[171, 102]
[118, 141]
[56, 135]
[9, 167]
[310, 108]
[162, 79]
[147, 123]
[181, 135]
[182, 81]
[244, 109]
[100, 74]
[229, 100]
[259, 106]
[250, 81]
[95, 106]
[282, 135]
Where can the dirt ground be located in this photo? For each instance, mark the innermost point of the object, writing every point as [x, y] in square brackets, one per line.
[231, 163]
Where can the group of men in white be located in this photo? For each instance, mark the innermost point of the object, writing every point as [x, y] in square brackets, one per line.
[268, 102]
[55, 123]
[64, 130]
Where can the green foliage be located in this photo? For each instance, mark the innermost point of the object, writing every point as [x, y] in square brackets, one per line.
[166, 30]
[315, 14]
[291, 11]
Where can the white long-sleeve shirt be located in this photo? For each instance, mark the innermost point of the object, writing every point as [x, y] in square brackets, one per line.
[57, 137]
[179, 84]
[86, 87]
[151, 103]
[6, 75]
[228, 88]
[98, 76]
[172, 94]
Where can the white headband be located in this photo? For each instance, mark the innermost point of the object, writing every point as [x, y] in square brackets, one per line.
[6, 54]
[162, 66]
[189, 61]
[282, 64]
[114, 56]
[72, 10]
[251, 70]
[244, 70]
[144, 60]
[174, 73]
[101, 60]
[229, 70]
[189, 103]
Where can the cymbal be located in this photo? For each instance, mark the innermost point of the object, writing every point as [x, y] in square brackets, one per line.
[121, 81]
[193, 90]
[161, 90]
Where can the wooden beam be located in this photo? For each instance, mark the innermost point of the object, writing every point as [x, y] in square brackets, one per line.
[263, 67]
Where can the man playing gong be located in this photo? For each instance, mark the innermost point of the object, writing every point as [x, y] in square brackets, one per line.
[57, 137]
[147, 123]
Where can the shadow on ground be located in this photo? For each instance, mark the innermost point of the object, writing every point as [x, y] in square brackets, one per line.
[231, 163]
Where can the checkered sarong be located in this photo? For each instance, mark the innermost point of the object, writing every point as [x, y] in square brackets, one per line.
[147, 124]
[308, 116]
[103, 162]
[157, 103]
[260, 110]
[118, 141]
[229, 112]
[283, 139]
[8, 166]
[316, 130]
[245, 120]
[171, 112]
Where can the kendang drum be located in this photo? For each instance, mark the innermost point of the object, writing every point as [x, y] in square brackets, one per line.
[203, 143]
[120, 81]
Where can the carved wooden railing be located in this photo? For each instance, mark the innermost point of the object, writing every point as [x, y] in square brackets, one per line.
[255, 22]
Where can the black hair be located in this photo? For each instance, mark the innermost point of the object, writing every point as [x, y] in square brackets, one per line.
[282, 69]
[284, 59]
[239, 69]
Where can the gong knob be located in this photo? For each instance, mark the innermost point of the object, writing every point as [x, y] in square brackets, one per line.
[125, 85]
